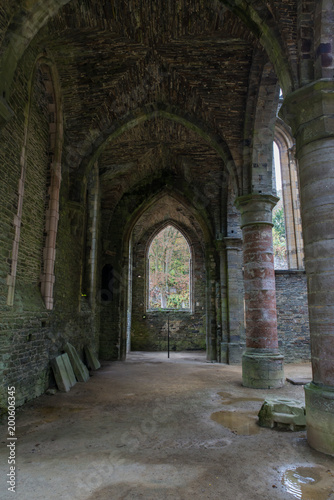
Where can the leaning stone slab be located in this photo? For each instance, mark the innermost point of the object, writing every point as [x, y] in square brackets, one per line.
[284, 413]
[80, 370]
[92, 361]
[63, 372]
[69, 369]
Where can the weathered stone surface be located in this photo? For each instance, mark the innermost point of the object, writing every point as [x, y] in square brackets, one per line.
[234, 352]
[259, 277]
[298, 381]
[280, 412]
[63, 372]
[79, 368]
[175, 98]
[69, 369]
[292, 315]
[262, 369]
[92, 361]
[319, 402]
[149, 328]
[262, 365]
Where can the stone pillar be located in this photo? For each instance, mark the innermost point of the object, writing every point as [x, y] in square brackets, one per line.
[262, 364]
[93, 233]
[310, 113]
[211, 317]
[235, 303]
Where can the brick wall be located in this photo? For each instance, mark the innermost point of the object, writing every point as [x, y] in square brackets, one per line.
[149, 328]
[30, 335]
[292, 315]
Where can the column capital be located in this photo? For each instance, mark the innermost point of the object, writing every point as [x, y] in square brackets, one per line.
[309, 111]
[256, 208]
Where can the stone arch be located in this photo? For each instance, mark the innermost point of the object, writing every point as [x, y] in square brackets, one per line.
[260, 21]
[51, 84]
[24, 27]
[52, 182]
[200, 215]
[149, 112]
[27, 24]
[263, 132]
[183, 232]
[144, 231]
[119, 311]
[290, 193]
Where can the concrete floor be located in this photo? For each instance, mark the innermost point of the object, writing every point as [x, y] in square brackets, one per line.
[155, 428]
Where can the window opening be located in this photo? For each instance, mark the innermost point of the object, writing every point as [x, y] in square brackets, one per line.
[279, 235]
[169, 271]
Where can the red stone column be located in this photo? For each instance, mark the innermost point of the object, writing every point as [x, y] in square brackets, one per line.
[262, 364]
[310, 113]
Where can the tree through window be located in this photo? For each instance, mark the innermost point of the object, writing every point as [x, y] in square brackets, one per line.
[279, 235]
[169, 271]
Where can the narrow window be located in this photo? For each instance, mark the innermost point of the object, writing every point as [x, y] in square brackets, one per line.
[169, 271]
[279, 236]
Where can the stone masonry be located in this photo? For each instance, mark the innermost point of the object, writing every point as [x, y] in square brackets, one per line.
[117, 118]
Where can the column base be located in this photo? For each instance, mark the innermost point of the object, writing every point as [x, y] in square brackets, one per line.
[319, 404]
[262, 369]
[231, 352]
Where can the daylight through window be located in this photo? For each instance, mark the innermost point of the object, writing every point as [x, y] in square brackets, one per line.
[169, 271]
[279, 235]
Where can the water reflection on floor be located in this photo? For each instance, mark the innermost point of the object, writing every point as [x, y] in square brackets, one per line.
[229, 398]
[309, 483]
[242, 423]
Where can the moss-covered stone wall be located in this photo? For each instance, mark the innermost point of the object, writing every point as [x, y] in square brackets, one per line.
[149, 327]
[292, 315]
[31, 335]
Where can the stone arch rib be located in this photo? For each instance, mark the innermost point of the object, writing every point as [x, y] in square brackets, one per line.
[53, 188]
[157, 230]
[149, 112]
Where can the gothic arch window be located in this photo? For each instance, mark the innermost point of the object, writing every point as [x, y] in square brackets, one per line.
[169, 271]
[279, 233]
[289, 193]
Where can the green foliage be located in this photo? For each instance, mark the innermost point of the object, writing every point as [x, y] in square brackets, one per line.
[278, 221]
[169, 270]
[279, 238]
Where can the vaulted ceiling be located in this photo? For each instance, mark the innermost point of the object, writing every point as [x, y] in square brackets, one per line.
[199, 61]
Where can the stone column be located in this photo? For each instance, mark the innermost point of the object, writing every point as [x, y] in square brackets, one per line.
[262, 364]
[310, 113]
[235, 304]
[93, 233]
[211, 317]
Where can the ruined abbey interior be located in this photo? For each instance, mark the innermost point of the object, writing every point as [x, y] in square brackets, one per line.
[121, 118]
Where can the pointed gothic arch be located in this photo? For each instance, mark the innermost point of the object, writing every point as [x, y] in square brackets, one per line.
[168, 296]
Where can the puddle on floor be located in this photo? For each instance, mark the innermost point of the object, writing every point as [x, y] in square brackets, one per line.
[309, 483]
[241, 423]
[229, 399]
